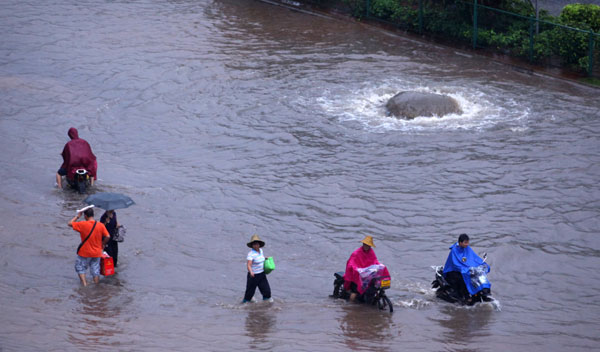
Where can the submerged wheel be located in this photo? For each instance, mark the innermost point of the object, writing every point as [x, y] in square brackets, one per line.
[338, 289]
[384, 302]
[389, 303]
[81, 187]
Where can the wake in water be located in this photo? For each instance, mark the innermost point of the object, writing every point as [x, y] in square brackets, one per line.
[425, 296]
[481, 110]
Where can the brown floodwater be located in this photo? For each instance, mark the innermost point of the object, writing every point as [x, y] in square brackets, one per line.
[226, 118]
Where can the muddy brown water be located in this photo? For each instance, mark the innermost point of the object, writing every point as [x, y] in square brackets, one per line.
[226, 118]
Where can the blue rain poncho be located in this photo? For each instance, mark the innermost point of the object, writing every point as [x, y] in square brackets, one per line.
[470, 265]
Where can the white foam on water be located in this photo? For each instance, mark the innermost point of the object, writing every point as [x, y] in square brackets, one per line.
[496, 305]
[426, 296]
[481, 110]
[414, 303]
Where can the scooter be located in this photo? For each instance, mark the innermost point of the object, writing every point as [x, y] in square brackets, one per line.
[456, 292]
[374, 294]
[81, 180]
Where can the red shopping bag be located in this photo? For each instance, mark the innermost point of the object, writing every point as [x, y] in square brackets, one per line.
[107, 265]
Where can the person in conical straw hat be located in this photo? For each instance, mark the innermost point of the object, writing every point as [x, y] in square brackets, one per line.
[255, 263]
[362, 257]
[368, 242]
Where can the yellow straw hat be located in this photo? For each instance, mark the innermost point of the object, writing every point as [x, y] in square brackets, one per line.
[255, 238]
[368, 241]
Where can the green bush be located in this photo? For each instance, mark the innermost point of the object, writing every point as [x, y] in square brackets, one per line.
[393, 11]
[384, 9]
[570, 45]
[542, 47]
[573, 46]
[511, 41]
[454, 22]
[592, 81]
[581, 16]
[510, 34]
[357, 7]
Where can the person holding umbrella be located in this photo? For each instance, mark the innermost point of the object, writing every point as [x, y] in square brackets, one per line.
[110, 202]
[109, 219]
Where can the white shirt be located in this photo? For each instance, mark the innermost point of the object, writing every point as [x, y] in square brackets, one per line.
[258, 260]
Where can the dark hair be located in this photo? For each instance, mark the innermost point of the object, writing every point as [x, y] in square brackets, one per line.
[463, 237]
[89, 213]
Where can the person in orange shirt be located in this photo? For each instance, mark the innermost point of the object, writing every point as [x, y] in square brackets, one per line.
[93, 238]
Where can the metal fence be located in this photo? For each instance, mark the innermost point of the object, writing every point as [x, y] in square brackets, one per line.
[535, 40]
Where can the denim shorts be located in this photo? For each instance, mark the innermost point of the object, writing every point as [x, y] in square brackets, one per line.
[82, 263]
[62, 172]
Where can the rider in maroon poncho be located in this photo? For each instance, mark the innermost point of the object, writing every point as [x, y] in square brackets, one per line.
[77, 154]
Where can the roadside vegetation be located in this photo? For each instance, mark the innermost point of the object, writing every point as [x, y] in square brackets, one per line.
[509, 27]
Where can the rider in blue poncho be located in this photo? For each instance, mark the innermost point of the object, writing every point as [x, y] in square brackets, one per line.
[460, 266]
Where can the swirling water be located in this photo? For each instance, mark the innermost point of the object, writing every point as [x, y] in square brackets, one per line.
[227, 118]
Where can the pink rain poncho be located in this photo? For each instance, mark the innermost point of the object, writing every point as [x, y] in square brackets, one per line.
[361, 268]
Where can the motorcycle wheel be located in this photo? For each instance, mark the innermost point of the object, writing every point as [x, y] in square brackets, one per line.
[338, 289]
[383, 302]
[81, 187]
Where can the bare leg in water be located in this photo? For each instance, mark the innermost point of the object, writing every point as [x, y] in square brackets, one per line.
[82, 278]
[84, 281]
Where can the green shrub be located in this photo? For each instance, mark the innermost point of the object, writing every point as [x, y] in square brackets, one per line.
[570, 45]
[573, 46]
[508, 40]
[592, 81]
[508, 33]
[454, 22]
[384, 9]
[393, 11]
[357, 7]
[581, 16]
[520, 7]
[542, 46]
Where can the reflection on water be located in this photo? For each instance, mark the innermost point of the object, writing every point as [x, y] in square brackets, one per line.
[98, 310]
[462, 324]
[365, 326]
[260, 323]
[72, 200]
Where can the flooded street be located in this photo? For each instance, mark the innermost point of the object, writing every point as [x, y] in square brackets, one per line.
[226, 118]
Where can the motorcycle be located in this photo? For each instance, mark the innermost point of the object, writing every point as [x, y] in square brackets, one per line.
[456, 291]
[81, 180]
[374, 294]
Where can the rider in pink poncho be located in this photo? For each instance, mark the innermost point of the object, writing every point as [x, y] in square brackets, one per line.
[361, 258]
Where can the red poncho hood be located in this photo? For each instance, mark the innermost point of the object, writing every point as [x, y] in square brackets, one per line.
[73, 134]
[78, 154]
